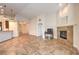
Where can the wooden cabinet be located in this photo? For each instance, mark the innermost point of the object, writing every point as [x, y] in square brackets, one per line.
[0, 26]
[7, 24]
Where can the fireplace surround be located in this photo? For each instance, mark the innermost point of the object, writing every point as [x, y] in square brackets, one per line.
[65, 33]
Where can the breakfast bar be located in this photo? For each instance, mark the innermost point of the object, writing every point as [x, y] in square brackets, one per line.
[5, 35]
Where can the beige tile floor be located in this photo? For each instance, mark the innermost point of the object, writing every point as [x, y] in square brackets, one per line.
[32, 45]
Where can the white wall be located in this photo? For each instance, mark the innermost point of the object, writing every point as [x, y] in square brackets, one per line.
[24, 26]
[33, 26]
[76, 26]
[48, 21]
[13, 26]
[68, 16]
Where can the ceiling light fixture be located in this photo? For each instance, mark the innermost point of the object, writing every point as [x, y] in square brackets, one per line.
[7, 12]
[2, 10]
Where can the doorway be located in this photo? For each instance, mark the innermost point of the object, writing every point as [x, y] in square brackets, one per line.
[40, 30]
[23, 28]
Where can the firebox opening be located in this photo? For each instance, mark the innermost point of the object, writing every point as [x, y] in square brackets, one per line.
[63, 34]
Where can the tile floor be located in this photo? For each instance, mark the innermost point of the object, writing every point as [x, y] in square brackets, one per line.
[32, 45]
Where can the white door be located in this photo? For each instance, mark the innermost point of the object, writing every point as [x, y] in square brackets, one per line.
[40, 29]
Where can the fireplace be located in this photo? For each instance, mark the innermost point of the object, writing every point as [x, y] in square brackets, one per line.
[63, 34]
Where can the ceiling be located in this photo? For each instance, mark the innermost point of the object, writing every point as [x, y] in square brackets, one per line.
[29, 10]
